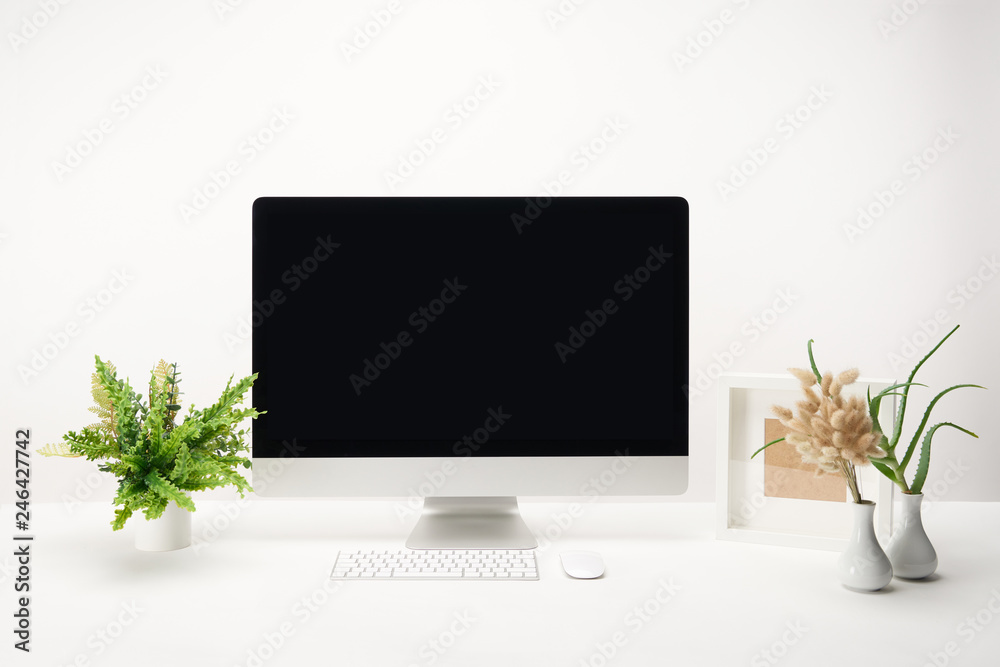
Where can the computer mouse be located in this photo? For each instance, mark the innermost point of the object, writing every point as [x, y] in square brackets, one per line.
[582, 564]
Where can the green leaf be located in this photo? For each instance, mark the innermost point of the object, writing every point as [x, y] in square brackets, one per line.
[883, 468]
[812, 363]
[124, 401]
[58, 449]
[923, 422]
[898, 426]
[925, 455]
[167, 490]
[873, 410]
[230, 396]
[92, 443]
[765, 447]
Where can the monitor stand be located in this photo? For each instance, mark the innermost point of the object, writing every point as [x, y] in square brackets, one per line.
[471, 523]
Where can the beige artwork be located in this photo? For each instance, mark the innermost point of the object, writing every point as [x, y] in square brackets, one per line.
[787, 476]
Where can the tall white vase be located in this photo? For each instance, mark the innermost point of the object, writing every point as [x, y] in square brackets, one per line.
[864, 566]
[171, 531]
[910, 551]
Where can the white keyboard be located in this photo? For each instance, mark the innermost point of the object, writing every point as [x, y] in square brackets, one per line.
[510, 564]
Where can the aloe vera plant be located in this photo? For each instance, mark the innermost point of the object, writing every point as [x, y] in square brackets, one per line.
[890, 465]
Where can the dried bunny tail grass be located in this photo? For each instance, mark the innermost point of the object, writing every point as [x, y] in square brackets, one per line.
[852, 418]
[821, 427]
[835, 388]
[827, 469]
[848, 376]
[803, 376]
[868, 444]
[797, 439]
[825, 384]
[806, 408]
[812, 399]
[797, 426]
[781, 411]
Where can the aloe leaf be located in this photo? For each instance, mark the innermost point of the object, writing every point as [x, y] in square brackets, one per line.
[894, 387]
[898, 426]
[925, 455]
[873, 409]
[884, 469]
[923, 422]
[766, 446]
[812, 362]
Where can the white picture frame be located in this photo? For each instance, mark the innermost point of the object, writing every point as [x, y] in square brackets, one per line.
[744, 510]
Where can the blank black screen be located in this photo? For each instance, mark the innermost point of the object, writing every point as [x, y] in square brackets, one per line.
[398, 326]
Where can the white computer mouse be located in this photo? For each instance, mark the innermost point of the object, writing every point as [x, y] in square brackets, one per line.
[582, 564]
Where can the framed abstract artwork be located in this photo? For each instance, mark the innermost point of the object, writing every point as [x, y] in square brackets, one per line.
[775, 498]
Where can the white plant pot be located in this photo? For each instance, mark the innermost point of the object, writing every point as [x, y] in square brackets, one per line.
[864, 566]
[171, 531]
[910, 551]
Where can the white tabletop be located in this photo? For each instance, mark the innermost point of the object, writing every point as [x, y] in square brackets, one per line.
[671, 594]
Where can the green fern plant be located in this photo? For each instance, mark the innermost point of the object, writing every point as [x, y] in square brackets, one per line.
[156, 460]
[890, 465]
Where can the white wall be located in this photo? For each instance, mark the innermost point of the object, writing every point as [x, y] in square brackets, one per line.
[886, 97]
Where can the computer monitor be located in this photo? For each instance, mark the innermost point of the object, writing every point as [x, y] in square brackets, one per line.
[470, 350]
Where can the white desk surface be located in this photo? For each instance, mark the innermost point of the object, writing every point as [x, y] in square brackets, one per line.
[214, 604]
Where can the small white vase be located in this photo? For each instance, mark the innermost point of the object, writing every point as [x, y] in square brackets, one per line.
[864, 566]
[171, 531]
[910, 551]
